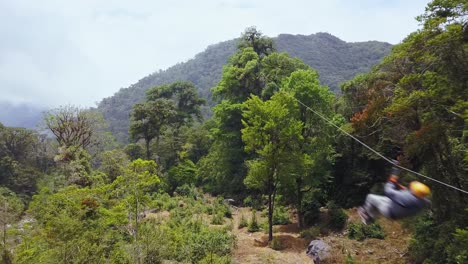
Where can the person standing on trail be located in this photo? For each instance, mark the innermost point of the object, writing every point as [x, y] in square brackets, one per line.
[398, 202]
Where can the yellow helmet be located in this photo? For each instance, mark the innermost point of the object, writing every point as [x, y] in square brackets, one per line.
[419, 189]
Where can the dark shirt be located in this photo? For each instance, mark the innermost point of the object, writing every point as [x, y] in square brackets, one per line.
[404, 203]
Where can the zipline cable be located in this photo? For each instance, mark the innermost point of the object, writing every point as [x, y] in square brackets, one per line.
[377, 153]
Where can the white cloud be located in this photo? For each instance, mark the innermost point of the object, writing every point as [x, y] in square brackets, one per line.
[58, 52]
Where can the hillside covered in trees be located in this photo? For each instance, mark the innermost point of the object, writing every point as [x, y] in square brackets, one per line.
[335, 60]
[267, 173]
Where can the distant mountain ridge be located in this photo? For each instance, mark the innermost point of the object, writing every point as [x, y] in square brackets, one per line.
[334, 59]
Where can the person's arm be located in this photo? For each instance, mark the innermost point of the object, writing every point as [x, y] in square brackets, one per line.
[394, 179]
[391, 190]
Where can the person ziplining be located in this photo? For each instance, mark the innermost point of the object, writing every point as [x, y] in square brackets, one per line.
[398, 202]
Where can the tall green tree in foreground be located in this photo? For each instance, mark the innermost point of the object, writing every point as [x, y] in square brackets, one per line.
[313, 165]
[272, 132]
[254, 70]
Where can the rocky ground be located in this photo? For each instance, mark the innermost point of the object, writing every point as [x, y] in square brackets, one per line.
[253, 247]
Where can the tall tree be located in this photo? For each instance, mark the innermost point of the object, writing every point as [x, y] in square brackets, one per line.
[73, 126]
[149, 120]
[313, 166]
[186, 100]
[272, 132]
[187, 105]
[254, 70]
[252, 37]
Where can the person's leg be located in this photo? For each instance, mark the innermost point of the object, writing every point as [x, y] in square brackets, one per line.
[376, 204]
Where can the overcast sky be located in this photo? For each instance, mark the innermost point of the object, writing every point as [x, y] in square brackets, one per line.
[55, 52]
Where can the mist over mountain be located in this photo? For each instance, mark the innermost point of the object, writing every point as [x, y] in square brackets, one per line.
[20, 115]
[334, 59]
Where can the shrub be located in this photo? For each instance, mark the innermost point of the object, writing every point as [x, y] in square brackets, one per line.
[222, 207]
[281, 216]
[243, 222]
[359, 231]
[255, 203]
[310, 233]
[458, 250]
[349, 259]
[253, 225]
[276, 244]
[217, 219]
[187, 190]
[337, 215]
[434, 242]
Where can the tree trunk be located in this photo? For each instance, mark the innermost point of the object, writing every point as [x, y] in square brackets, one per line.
[300, 214]
[270, 217]
[147, 144]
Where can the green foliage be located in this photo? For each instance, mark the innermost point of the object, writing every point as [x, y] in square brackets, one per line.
[281, 215]
[414, 103]
[243, 222]
[334, 59]
[134, 151]
[217, 219]
[338, 217]
[253, 225]
[438, 243]
[183, 173]
[254, 202]
[360, 232]
[458, 251]
[275, 244]
[310, 233]
[113, 163]
[274, 135]
[105, 224]
[150, 119]
[349, 259]
[75, 165]
[21, 159]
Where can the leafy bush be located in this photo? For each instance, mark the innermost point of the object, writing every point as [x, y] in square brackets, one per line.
[243, 222]
[359, 231]
[217, 219]
[254, 203]
[253, 225]
[337, 215]
[276, 244]
[281, 216]
[221, 207]
[458, 250]
[187, 190]
[434, 242]
[310, 233]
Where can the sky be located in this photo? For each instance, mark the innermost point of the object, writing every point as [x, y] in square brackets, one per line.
[55, 52]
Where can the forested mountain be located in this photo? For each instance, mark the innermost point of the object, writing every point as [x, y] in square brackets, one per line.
[334, 59]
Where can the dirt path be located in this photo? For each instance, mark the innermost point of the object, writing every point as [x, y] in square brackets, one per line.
[252, 247]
